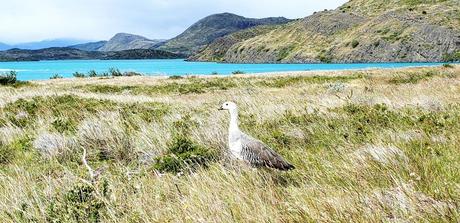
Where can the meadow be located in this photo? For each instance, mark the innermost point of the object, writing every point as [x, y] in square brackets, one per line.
[378, 145]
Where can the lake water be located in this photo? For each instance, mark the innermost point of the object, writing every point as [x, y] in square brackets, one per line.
[42, 70]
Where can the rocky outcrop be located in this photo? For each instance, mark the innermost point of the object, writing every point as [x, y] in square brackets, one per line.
[125, 41]
[93, 46]
[211, 28]
[359, 31]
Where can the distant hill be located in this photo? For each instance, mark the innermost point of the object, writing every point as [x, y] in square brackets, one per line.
[358, 31]
[46, 44]
[212, 27]
[92, 46]
[65, 53]
[125, 41]
[138, 54]
[4, 46]
[216, 50]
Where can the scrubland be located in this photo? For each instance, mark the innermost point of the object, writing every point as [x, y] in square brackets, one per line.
[368, 146]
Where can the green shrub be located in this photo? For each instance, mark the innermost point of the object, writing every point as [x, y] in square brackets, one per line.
[56, 76]
[183, 154]
[412, 78]
[238, 72]
[64, 124]
[447, 65]
[115, 72]
[104, 74]
[131, 74]
[175, 77]
[324, 58]
[215, 73]
[452, 57]
[79, 204]
[10, 78]
[79, 75]
[354, 43]
[92, 73]
[284, 52]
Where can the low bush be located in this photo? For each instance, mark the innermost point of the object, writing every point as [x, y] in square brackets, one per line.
[175, 77]
[79, 204]
[131, 74]
[92, 73]
[8, 78]
[114, 72]
[238, 72]
[184, 154]
[412, 78]
[354, 43]
[79, 75]
[56, 76]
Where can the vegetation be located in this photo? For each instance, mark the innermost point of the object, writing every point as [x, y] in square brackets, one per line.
[10, 79]
[368, 146]
[79, 75]
[56, 76]
[375, 30]
[453, 57]
[114, 72]
[354, 43]
[238, 72]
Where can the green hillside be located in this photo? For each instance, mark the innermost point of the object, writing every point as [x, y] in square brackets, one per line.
[211, 28]
[360, 31]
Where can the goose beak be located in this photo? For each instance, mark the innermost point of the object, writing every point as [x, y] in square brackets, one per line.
[220, 109]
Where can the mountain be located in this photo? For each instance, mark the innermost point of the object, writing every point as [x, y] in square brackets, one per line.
[65, 53]
[47, 44]
[358, 31]
[212, 27]
[54, 53]
[125, 41]
[4, 46]
[139, 54]
[92, 46]
[216, 50]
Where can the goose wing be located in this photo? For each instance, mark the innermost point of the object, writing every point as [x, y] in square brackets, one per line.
[259, 154]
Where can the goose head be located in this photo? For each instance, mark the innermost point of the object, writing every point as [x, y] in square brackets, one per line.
[229, 106]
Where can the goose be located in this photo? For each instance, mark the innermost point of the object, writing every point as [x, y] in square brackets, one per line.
[246, 148]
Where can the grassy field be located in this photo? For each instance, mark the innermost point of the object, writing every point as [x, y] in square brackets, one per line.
[368, 146]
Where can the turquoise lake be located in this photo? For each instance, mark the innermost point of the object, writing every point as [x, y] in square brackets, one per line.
[42, 70]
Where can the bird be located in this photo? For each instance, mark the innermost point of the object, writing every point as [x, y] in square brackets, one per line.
[246, 148]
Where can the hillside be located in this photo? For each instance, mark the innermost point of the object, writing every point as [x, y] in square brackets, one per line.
[65, 53]
[54, 53]
[368, 146]
[125, 41]
[138, 54]
[359, 31]
[4, 46]
[216, 50]
[92, 46]
[212, 27]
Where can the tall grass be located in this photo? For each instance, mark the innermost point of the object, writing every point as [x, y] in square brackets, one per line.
[370, 150]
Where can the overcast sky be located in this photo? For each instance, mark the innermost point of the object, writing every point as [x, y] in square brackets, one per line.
[33, 20]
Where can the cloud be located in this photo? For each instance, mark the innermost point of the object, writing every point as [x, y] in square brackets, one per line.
[31, 20]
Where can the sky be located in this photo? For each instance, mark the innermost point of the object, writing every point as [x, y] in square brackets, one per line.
[35, 20]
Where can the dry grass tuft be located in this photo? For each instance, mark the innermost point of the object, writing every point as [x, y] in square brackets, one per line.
[368, 146]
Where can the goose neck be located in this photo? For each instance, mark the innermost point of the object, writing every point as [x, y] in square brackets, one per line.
[233, 120]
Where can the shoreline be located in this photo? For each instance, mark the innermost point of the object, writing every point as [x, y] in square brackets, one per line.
[134, 79]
